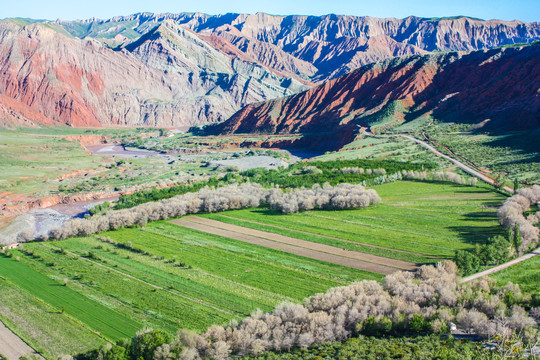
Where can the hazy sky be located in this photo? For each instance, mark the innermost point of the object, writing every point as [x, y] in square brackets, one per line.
[525, 10]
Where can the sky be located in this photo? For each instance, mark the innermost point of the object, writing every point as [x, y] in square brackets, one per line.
[524, 10]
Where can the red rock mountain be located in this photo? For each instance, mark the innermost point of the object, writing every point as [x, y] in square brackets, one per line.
[322, 47]
[498, 89]
[170, 77]
[174, 70]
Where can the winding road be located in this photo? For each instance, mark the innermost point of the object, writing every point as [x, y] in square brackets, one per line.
[458, 163]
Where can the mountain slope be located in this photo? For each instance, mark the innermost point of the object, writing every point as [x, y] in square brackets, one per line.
[78, 82]
[498, 88]
[178, 70]
[324, 47]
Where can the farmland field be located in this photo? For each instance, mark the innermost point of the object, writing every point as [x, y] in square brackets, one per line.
[457, 217]
[168, 277]
[165, 277]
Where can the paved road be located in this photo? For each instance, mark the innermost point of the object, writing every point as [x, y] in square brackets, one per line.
[502, 266]
[458, 163]
[12, 346]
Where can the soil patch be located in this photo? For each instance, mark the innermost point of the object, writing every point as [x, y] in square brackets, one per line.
[304, 248]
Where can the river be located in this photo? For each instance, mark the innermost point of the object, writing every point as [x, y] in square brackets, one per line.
[39, 222]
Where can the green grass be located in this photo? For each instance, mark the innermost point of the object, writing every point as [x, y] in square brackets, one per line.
[42, 326]
[141, 302]
[515, 153]
[389, 147]
[111, 324]
[526, 274]
[168, 277]
[305, 235]
[171, 278]
[284, 275]
[455, 217]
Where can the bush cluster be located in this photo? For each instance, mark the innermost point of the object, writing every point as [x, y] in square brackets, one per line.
[342, 196]
[439, 176]
[512, 215]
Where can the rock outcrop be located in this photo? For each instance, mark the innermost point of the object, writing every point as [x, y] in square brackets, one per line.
[497, 89]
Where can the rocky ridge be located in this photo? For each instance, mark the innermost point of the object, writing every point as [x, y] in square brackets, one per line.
[323, 47]
[171, 77]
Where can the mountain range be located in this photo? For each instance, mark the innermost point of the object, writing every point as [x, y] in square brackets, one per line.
[496, 90]
[180, 70]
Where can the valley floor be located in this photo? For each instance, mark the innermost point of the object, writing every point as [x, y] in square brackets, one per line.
[83, 292]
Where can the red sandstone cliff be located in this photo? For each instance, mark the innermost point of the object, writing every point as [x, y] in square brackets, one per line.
[188, 69]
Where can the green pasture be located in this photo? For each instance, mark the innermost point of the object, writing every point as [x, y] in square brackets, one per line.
[432, 219]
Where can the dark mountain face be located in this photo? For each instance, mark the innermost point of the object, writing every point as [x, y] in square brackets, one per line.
[498, 89]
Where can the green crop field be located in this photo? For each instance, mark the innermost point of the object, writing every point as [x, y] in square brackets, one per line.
[168, 277]
[65, 299]
[45, 328]
[456, 216]
[163, 276]
[526, 274]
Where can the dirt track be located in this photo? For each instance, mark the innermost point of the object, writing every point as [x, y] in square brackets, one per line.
[458, 163]
[502, 266]
[12, 347]
[304, 248]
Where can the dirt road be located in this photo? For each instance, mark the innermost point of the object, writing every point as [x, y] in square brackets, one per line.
[502, 266]
[458, 163]
[304, 248]
[12, 346]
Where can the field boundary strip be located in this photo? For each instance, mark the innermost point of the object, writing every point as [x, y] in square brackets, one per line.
[173, 292]
[329, 237]
[304, 248]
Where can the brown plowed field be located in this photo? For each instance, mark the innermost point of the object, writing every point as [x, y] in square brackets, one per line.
[291, 245]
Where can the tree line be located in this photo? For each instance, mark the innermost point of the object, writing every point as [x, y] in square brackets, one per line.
[229, 197]
[519, 219]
